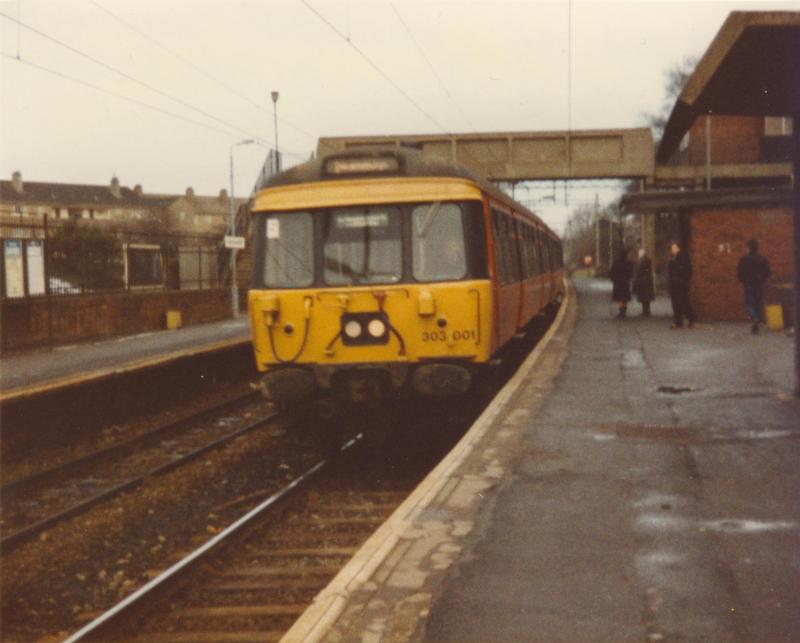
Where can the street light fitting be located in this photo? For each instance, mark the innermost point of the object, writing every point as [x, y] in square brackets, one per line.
[275, 96]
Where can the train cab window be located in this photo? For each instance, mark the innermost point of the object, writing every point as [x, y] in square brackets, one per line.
[437, 234]
[288, 250]
[363, 246]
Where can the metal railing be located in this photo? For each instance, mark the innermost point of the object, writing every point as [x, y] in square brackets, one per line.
[60, 258]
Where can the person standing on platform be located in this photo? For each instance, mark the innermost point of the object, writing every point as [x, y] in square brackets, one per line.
[753, 271]
[643, 286]
[621, 271]
[679, 271]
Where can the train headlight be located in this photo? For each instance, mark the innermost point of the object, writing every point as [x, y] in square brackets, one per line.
[352, 329]
[365, 329]
[376, 328]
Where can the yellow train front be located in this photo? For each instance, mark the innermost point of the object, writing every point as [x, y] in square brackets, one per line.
[371, 277]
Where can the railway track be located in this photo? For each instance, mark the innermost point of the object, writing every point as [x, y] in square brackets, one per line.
[36, 503]
[253, 581]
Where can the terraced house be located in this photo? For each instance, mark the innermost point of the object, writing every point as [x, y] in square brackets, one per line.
[59, 240]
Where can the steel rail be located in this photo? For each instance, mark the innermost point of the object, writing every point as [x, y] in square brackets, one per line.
[122, 609]
[17, 486]
[12, 541]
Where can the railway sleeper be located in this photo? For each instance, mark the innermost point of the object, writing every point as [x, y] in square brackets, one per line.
[211, 637]
[271, 571]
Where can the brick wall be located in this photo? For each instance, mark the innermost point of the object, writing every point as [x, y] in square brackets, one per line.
[25, 321]
[717, 242]
[734, 139]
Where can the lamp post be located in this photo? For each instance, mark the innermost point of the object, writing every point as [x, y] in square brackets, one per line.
[275, 96]
[234, 286]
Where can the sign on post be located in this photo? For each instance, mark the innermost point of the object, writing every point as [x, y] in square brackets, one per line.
[234, 243]
[15, 272]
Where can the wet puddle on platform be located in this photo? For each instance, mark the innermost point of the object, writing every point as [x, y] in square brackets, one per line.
[688, 434]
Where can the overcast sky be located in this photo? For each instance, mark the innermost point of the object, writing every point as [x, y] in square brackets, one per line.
[424, 67]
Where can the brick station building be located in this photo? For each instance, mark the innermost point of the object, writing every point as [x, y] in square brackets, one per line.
[728, 181]
[715, 226]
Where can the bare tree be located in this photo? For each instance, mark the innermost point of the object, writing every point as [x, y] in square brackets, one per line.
[674, 80]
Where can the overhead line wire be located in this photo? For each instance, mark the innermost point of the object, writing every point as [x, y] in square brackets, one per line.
[115, 94]
[199, 69]
[125, 75]
[382, 73]
[421, 51]
[372, 64]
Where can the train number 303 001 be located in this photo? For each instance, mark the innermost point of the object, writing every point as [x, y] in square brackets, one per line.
[441, 335]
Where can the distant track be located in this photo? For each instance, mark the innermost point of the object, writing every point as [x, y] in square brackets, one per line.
[9, 489]
[116, 487]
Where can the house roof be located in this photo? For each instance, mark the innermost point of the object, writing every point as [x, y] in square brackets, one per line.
[751, 67]
[67, 194]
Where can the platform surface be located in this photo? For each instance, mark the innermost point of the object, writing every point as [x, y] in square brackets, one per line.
[634, 483]
[40, 367]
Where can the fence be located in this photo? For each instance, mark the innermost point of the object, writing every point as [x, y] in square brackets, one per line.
[63, 258]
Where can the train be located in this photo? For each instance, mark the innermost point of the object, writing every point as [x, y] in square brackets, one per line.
[384, 272]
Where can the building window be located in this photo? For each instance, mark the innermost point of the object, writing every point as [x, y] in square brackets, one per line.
[777, 126]
[684, 144]
[75, 213]
[197, 267]
[144, 266]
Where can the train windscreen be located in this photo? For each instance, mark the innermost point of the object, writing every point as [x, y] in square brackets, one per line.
[289, 250]
[438, 242]
[363, 246]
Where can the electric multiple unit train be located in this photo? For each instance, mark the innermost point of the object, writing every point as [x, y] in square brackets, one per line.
[380, 272]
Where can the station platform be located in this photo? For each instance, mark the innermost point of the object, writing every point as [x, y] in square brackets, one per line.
[631, 482]
[46, 369]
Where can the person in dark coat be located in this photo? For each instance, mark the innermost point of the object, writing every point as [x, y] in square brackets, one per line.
[753, 271]
[643, 286]
[680, 276]
[621, 272]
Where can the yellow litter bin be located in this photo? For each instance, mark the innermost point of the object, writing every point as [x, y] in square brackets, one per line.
[775, 317]
[173, 319]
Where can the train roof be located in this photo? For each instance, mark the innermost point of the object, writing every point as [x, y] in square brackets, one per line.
[409, 163]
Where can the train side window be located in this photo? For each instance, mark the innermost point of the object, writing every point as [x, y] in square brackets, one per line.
[499, 260]
[513, 246]
[438, 242]
[528, 246]
[503, 248]
[533, 254]
[288, 250]
[541, 252]
[547, 264]
[522, 246]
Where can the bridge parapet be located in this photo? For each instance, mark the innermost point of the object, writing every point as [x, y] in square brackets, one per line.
[529, 156]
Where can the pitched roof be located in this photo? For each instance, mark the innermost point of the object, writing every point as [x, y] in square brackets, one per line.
[751, 67]
[67, 194]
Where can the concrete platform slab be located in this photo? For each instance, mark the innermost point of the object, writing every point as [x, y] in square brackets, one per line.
[23, 374]
[631, 482]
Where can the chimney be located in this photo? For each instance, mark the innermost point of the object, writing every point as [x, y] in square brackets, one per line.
[115, 187]
[223, 196]
[190, 192]
[16, 180]
[137, 189]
